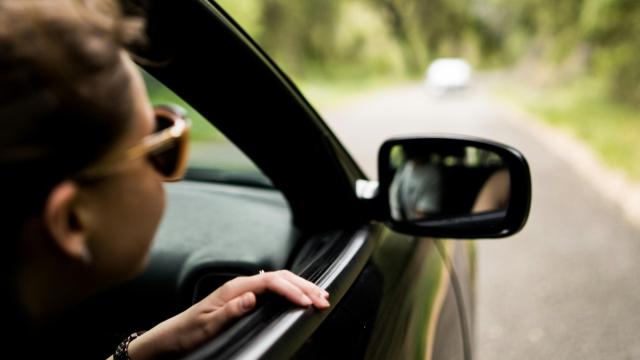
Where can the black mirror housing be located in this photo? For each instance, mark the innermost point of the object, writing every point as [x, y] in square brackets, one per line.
[453, 187]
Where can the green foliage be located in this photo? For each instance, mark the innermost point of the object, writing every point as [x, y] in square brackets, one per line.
[248, 14]
[371, 38]
[613, 27]
[612, 129]
[359, 38]
[605, 32]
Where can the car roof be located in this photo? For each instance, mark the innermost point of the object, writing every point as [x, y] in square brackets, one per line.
[449, 63]
[458, 61]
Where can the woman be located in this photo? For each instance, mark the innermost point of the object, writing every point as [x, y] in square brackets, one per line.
[82, 171]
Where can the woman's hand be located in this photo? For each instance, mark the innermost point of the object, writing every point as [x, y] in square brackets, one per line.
[207, 318]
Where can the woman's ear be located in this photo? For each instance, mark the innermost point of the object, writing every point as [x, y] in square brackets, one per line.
[65, 226]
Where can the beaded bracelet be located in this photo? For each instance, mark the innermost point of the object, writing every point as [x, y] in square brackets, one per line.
[122, 351]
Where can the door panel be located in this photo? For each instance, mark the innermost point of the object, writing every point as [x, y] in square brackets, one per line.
[401, 306]
[461, 263]
[419, 317]
[277, 329]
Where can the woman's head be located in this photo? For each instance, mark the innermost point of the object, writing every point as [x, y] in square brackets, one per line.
[69, 98]
[65, 96]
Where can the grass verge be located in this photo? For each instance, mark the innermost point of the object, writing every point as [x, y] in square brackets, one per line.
[326, 94]
[610, 128]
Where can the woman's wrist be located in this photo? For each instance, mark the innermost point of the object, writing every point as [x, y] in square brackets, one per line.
[123, 350]
[144, 347]
[155, 343]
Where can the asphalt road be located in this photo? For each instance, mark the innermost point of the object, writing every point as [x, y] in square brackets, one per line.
[568, 285]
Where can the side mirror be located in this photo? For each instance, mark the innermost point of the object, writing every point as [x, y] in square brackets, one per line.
[453, 187]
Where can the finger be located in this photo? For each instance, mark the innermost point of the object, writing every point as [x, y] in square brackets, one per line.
[303, 283]
[233, 309]
[242, 284]
[270, 281]
[278, 284]
[318, 295]
[294, 284]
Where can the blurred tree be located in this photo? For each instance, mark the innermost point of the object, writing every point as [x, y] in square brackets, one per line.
[299, 33]
[612, 27]
[433, 28]
[333, 37]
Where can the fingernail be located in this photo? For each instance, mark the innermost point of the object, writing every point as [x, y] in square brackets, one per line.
[306, 301]
[324, 294]
[247, 302]
[325, 303]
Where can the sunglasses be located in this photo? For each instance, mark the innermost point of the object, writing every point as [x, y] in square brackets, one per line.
[166, 149]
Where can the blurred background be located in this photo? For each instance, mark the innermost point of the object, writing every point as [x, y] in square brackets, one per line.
[587, 46]
[559, 80]
[574, 63]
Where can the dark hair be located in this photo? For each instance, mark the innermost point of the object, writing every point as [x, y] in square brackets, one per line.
[64, 92]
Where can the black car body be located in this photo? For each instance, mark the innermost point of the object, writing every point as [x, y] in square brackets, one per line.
[393, 295]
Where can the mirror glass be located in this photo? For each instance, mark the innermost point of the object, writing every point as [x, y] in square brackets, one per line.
[431, 184]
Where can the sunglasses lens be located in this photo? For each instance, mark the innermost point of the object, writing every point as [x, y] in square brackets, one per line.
[168, 160]
[165, 160]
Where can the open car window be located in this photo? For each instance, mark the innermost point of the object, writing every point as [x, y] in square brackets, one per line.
[212, 156]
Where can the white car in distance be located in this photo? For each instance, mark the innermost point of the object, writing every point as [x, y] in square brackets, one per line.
[447, 74]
